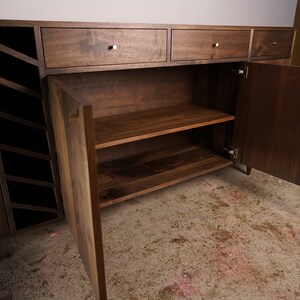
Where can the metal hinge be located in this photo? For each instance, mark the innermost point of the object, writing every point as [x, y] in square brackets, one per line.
[234, 153]
[242, 71]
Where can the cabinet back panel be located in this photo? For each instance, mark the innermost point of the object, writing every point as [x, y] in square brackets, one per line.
[142, 146]
[112, 93]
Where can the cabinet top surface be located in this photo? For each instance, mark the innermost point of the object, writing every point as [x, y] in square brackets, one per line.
[129, 25]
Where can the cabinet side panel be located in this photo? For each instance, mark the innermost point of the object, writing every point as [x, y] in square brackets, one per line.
[3, 220]
[73, 128]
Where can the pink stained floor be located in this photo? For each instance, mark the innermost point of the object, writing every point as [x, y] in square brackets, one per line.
[225, 235]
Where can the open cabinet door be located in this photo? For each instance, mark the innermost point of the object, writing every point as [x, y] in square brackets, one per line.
[73, 128]
[267, 128]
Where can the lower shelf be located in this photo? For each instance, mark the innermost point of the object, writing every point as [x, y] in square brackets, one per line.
[133, 176]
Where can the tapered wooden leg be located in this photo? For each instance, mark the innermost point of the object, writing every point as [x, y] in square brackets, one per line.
[248, 170]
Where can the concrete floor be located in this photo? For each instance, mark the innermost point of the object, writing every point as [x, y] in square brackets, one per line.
[221, 236]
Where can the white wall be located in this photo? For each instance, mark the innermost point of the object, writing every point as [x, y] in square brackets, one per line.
[208, 12]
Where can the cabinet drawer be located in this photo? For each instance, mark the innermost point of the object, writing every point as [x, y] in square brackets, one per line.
[272, 43]
[91, 47]
[209, 44]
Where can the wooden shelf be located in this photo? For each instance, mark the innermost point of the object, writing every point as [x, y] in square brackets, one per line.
[20, 88]
[22, 121]
[130, 127]
[25, 152]
[34, 207]
[19, 55]
[126, 178]
[29, 181]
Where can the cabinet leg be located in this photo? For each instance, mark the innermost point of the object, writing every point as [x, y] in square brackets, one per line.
[248, 170]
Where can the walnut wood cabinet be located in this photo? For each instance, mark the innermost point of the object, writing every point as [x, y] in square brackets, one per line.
[138, 107]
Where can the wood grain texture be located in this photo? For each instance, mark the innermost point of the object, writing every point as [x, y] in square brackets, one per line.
[267, 126]
[89, 47]
[201, 44]
[296, 47]
[130, 177]
[119, 92]
[120, 129]
[138, 147]
[19, 55]
[272, 43]
[20, 88]
[282, 61]
[75, 145]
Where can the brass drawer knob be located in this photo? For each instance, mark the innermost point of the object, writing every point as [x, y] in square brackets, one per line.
[216, 45]
[274, 43]
[113, 47]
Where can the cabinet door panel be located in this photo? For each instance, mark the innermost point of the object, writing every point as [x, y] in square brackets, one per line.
[267, 129]
[73, 128]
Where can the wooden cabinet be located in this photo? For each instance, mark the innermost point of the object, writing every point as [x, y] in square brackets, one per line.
[139, 107]
[150, 128]
[147, 148]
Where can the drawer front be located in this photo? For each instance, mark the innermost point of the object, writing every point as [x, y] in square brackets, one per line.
[91, 47]
[272, 43]
[209, 44]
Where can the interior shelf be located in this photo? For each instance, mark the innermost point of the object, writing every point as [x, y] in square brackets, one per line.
[129, 177]
[29, 181]
[31, 195]
[19, 55]
[119, 129]
[20, 72]
[24, 152]
[33, 207]
[20, 39]
[22, 121]
[29, 138]
[20, 88]
[20, 105]
[20, 165]
[26, 218]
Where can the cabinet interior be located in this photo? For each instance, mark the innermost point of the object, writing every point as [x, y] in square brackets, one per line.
[19, 72]
[20, 105]
[20, 39]
[29, 182]
[157, 127]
